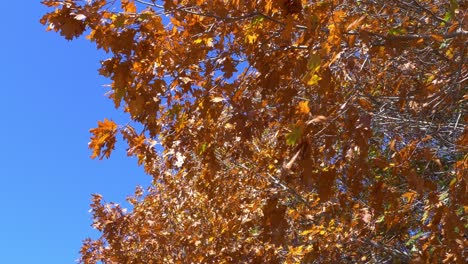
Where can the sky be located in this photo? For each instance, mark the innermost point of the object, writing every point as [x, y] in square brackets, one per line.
[51, 95]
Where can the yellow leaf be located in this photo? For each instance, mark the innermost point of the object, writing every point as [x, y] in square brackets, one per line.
[209, 42]
[294, 251]
[251, 38]
[314, 79]
[306, 232]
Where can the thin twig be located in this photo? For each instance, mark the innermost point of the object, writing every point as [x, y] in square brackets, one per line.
[226, 19]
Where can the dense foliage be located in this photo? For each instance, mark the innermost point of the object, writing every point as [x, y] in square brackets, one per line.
[287, 131]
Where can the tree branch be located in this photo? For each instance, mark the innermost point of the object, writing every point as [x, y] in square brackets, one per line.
[226, 19]
[459, 32]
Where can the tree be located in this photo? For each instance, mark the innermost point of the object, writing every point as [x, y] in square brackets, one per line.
[291, 131]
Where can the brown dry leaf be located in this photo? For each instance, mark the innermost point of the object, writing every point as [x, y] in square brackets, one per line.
[279, 118]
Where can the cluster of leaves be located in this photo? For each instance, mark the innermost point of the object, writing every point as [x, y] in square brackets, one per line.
[292, 131]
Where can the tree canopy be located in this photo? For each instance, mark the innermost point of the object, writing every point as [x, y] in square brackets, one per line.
[289, 131]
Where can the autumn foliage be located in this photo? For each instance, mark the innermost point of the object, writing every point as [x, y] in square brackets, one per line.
[287, 131]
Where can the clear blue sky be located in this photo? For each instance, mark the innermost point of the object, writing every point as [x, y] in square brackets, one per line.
[51, 95]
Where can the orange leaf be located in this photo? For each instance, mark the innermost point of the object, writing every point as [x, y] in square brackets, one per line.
[303, 107]
[129, 6]
[103, 139]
